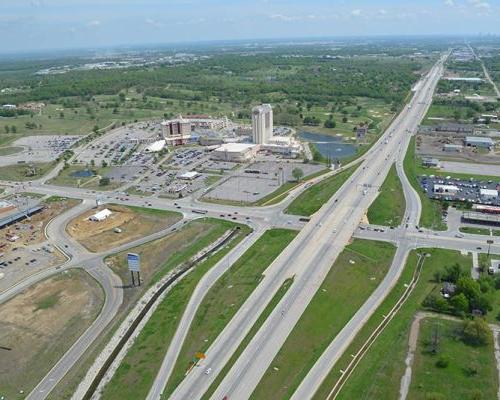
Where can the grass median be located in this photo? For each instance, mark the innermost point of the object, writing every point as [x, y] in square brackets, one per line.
[138, 369]
[358, 270]
[378, 375]
[226, 296]
[432, 215]
[311, 200]
[244, 343]
[389, 207]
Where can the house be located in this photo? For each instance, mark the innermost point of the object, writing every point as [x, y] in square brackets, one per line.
[361, 131]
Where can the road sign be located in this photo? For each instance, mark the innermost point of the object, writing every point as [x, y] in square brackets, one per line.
[134, 262]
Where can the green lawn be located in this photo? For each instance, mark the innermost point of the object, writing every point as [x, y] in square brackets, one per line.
[244, 343]
[357, 271]
[226, 296]
[138, 369]
[471, 372]
[311, 199]
[65, 178]
[378, 375]
[431, 210]
[478, 231]
[25, 172]
[389, 207]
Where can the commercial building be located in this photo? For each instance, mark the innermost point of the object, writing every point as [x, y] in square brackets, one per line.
[189, 176]
[479, 142]
[235, 152]
[453, 148]
[488, 194]
[480, 218]
[176, 131]
[262, 123]
[206, 122]
[284, 145]
[430, 162]
[445, 189]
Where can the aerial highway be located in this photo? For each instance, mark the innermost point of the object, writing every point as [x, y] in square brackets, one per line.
[309, 257]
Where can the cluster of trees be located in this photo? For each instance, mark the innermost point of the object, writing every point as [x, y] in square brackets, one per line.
[10, 129]
[233, 79]
[8, 113]
[470, 295]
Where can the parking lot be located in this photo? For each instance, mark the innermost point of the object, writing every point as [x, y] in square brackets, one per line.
[252, 182]
[466, 190]
[39, 149]
[123, 146]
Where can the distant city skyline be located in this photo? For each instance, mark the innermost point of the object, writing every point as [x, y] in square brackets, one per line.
[31, 25]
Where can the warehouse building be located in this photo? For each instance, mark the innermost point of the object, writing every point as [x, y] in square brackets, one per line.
[479, 142]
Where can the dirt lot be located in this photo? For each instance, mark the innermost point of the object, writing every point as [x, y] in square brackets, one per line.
[134, 223]
[32, 231]
[432, 146]
[40, 324]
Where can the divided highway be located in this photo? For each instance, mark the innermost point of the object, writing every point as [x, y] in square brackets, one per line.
[309, 257]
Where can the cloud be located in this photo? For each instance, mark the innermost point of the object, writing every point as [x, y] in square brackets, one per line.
[94, 23]
[285, 18]
[450, 3]
[356, 12]
[480, 4]
[382, 12]
[155, 23]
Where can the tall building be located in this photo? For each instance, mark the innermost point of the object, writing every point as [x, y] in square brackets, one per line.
[262, 123]
[176, 131]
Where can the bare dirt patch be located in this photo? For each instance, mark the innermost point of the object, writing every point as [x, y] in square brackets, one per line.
[32, 230]
[40, 324]
[132, 222]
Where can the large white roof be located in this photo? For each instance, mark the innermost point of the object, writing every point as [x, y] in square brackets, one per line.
[235, 147]
[488, 192]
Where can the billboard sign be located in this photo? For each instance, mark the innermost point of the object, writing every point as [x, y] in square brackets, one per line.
[134, 262]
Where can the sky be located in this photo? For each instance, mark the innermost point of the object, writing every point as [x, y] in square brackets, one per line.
[27, 25]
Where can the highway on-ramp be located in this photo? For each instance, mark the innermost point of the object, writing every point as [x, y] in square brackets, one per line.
[309, 257]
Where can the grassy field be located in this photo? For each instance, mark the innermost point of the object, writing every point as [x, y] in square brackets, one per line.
[356, 273]
[385, 360]
[389, 207]
[431, 216]
[471, 372]
[226, 296]
[40, 324]
[311, 200]
[25, 172]
[133, 223]
[137, 371]
[65, 178]
[244, 343]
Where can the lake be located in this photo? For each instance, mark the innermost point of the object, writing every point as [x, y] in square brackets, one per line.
[329, 146]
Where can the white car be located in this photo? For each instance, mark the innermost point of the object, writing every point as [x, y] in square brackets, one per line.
[207, 372]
